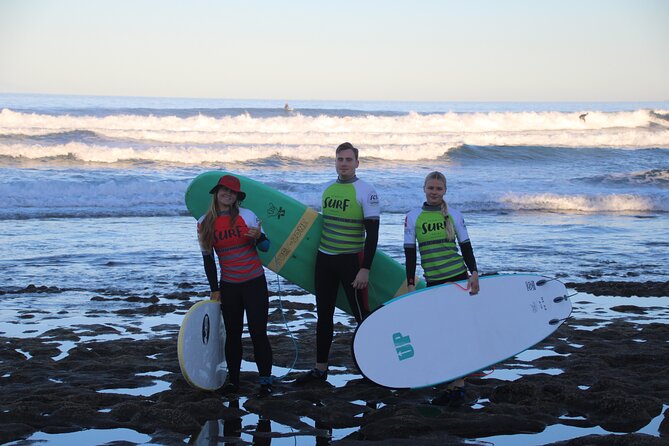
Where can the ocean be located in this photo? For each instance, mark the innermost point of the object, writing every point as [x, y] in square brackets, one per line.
[93, 187]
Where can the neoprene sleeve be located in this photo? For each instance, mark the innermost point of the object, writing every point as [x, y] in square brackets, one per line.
[210, 271]
[371, 240]
[410, 260]
[468, 255]
[262, 243]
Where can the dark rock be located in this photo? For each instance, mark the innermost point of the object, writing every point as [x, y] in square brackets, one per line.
[612, 375]
[14, 431]
[171, 419]
[619, 288]
[628, 309]
[664, 425]
[613, 440]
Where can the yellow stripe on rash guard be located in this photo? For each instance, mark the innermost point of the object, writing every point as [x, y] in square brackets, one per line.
[293, 240]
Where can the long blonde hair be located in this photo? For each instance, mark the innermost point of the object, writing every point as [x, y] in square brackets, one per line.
[207, 226]
[450, 229]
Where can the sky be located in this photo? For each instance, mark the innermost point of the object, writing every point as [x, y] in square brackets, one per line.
[412, 50]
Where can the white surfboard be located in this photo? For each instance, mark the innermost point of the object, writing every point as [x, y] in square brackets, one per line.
[442, 333]
[201, 348]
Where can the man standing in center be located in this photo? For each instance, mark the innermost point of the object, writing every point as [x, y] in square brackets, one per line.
[350, 209]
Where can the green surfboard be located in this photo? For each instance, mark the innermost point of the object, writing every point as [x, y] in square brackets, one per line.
[294, 231]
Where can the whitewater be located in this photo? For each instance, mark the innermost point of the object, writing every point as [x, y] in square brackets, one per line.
[542, 190]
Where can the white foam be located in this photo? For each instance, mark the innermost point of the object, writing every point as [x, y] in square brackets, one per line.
[126, 194]
[406, 137]
[585, 203]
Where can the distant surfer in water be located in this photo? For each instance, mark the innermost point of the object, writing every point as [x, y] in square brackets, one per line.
[287, 107]
[234, 233]
[350, 208]
[582, 117]
[439, 229]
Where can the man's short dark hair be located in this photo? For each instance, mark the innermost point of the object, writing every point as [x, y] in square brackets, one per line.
[347, 146]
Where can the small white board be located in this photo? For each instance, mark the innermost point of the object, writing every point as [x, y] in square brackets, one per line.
[201, 348]
[442, 333]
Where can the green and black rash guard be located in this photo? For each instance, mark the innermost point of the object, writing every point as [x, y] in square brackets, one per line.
[350, 219]
[439, 256]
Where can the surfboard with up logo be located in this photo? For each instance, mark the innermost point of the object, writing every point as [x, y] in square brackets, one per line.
[442, 333]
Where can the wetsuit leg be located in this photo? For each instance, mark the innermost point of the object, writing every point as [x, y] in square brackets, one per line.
[256, 303]
[458, 383]
[348, 266]
[232, 306]
[326, 281]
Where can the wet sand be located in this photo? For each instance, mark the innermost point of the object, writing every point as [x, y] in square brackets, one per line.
[604, 371]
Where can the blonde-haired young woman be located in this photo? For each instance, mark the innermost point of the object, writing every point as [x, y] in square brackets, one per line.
[233, 233]
[439, 229]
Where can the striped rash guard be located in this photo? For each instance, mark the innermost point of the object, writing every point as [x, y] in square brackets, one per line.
[237, 255]
[345, 206]
[439, 256]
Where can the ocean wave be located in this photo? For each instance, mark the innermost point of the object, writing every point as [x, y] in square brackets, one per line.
[109, 152]
[56, 136]
[585, 203]
[197, 155]
[122, 194]
[652, 177]
[635, 129]
[79, 196]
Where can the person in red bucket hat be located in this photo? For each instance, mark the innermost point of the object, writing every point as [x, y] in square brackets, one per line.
[230, 182]
[234, 233]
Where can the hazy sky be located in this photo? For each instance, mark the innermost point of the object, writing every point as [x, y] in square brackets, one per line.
[421, 50]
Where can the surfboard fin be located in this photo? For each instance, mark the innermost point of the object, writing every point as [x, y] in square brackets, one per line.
[557, 321]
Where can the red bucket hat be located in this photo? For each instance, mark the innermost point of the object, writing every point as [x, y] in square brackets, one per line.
[229, 182]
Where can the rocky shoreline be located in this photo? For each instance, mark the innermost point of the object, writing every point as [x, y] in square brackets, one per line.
[613, 376]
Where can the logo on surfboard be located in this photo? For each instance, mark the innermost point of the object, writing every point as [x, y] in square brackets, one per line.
[403, 346]
[273, 211]
[205, 329]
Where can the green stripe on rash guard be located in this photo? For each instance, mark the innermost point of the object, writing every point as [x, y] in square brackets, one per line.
[439, 257]
[343, 225]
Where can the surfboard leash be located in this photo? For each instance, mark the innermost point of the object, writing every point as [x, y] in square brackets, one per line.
[285, 323]
[481, 373]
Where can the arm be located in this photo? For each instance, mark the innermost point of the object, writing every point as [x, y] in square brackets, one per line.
[466, 250]
[468, 256]
[371, 211]
[371, 241]
[212, 277]
[410, 253]
[262, 242]
[255, 230]
[410, 261]
[209, 264]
